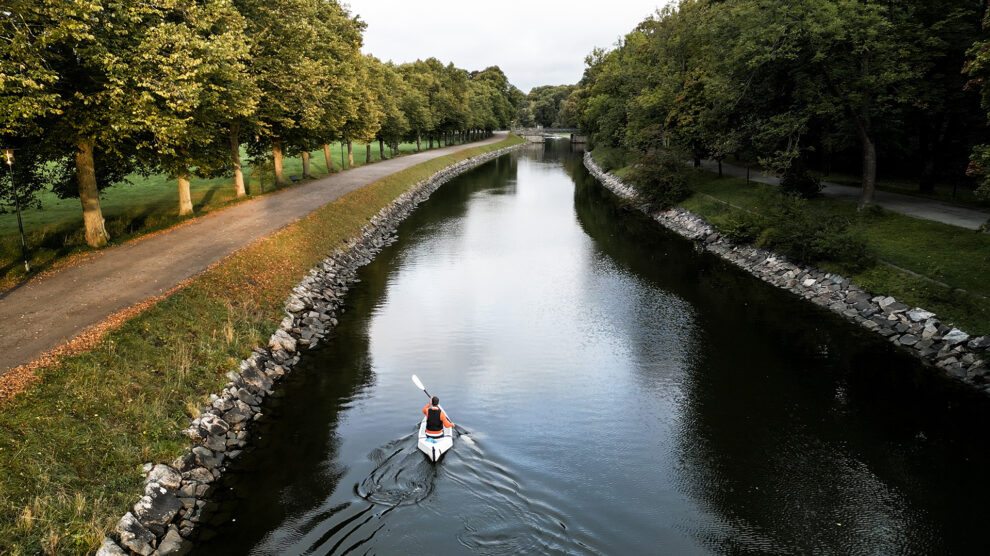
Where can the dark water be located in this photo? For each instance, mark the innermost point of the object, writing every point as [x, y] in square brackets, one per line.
[624, 394]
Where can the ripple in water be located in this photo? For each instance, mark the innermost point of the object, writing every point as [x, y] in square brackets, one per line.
[402, 477]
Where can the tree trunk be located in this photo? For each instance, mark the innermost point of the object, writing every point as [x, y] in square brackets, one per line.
[381, 149]
[326, 156]
[926, 178]
[235, 159]
[350, 154]
[869, 166]
[89, 195]
[305, 161]
[931, 146]
[185, 198]
[277, 159]
[367, 153]
[720, 167]
[431, 141]
[419, 145]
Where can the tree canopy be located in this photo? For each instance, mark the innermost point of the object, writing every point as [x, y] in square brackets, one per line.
[854, 85]
[94, 90]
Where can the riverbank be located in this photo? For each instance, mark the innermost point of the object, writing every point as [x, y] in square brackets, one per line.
[922, 333]
[74, 444]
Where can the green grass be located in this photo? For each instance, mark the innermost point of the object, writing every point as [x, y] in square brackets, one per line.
[943, 253]
[72, 444]
[143, 206]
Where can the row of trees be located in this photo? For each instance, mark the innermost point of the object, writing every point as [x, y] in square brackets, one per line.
[798, 84]
[547, 106]
[91, 91]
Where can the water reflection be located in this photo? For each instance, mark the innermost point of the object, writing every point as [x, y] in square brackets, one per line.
[628, 394]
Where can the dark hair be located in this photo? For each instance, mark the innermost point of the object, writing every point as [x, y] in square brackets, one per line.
[435, 400]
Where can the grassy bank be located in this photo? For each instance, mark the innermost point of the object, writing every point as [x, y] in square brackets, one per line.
[72, 445]
[918, 253]
[142, 206]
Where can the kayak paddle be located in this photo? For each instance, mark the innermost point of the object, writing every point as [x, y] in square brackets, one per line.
[460, 431]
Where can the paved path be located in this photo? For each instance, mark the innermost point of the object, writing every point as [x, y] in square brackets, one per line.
[917, 207]
[43, 314]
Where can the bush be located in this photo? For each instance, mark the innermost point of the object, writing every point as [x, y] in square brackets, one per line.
[661, 177]
[798, 181]
[788, 225]
[742, 227]
[611, 158]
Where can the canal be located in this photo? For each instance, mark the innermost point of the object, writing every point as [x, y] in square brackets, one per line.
[623, 393]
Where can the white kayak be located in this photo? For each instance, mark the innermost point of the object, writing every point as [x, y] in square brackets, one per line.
[434, 448]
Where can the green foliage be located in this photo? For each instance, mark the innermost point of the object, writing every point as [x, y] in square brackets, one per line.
[798, 181]
[546, 106]
[786, 223]
[661, 177]
[794, 84]
[612, 158]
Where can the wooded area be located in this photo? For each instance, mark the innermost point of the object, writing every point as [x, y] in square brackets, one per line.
[93, 91]
[804, 87]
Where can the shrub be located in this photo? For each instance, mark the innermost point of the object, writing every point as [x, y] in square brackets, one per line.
[611, 158]
[661, 177]
[798, 181]
[742, 227]
[808, 236]
[788, 225]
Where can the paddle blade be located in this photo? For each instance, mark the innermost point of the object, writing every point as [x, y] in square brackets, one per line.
[418, 383]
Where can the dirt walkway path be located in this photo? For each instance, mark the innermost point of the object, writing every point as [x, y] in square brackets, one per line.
[46, 313]
[917, 207]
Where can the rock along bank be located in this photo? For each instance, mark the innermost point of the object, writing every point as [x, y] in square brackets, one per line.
[916, 330]
[165, 517]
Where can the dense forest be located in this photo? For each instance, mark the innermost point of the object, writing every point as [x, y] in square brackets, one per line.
[93, 91]
[804, 87]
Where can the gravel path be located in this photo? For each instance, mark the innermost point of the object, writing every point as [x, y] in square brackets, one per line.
[916, 207]
[45, 313]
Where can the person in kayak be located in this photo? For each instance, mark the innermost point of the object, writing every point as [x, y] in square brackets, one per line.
[436, 418]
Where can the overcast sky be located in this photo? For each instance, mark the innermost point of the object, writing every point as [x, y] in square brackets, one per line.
[535, 42]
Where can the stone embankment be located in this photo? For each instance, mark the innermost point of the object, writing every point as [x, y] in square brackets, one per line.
[916, 330]
[174, 495]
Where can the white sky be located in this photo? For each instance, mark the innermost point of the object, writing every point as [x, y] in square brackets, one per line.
[535, 42]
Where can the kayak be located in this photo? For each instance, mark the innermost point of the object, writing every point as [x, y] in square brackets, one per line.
[434, 448]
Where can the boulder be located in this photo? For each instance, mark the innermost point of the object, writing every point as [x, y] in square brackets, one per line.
[158, 505]
[982, 342]
[206, 457]
[172, 542]
[135, 536]
[919, 315]
[895, 308]
[164, 476]
[955, 336]
[216, 443]
[214, 425]
[110, 548]
[909, 340]
[199, 475]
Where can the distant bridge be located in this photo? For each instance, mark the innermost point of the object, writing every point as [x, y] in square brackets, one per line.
[541, 134]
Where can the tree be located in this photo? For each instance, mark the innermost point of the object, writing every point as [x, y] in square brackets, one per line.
[71, 53]
[395, 123]
[366, 121]
[188, 73]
